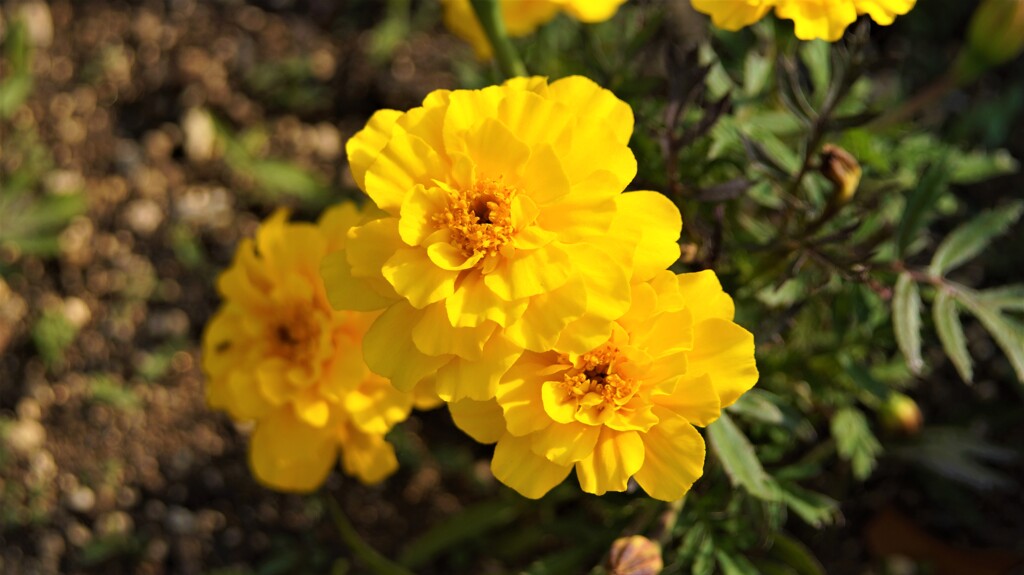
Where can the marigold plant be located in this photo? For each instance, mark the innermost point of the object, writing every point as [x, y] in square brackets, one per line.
[521, 17]
[503, 227]
[813, 19]
[276, 353]
[628, 407]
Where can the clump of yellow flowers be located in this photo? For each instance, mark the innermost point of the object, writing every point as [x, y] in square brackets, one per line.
[514, 274]
[502, 267]
[521, 17]
[276, 353]
[813, 19]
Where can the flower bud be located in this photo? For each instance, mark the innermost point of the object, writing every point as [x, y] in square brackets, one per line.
[842, 169]
[995, 36]
[635, 555]
[900, 414]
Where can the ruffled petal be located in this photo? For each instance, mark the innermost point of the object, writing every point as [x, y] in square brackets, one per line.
[362, 148]
[703, 294]
[655, 221]
[478, 379]
[347, 292]
[519, 394]
[433, 335]
[725, 351]
[515, 465]
[367, 456]
[418, 279]
[287, 455]
[481, 420]
[694, 398]
[581, 93]
[673, 457]
[565, 443]
[615, 458]
[390, 351]
[547, 315]
[733, 14]
[473, 303]
[406, 161]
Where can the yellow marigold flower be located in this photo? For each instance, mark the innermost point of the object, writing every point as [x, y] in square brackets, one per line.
[813, 19]
[521, 17]
[278, 354]
[628, 407]
[503, 228]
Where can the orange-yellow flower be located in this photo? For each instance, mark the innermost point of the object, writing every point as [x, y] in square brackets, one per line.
[276, 353]
[813, 19]
[503, 227]
[521, 17]
[626, 408]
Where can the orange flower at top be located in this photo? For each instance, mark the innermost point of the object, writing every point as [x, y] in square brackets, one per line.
[626, 408]
[521, 17]
[503, 228]
[276, 353]
[813, 19]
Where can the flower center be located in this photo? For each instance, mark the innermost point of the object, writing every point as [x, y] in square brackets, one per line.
[596, 388]
[295, 339]
[479, 219]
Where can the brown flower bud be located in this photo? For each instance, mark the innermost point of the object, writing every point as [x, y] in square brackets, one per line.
[842, 169]
[900, 414]
[635, 555]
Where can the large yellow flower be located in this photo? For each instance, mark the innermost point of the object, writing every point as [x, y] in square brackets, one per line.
[521, 17]
[626, 408]
[813, 19]
[503, 228]
[278, 354]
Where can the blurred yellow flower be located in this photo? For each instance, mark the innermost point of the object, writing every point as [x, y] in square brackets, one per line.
[813, 19]
[628, 407]
[503, 228]
[521, 17]
[278, 354]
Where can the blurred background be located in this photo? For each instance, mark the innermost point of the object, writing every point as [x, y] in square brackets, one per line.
[140, 140]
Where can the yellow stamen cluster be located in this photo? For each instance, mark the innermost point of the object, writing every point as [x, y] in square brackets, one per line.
[595, 387]
[480, 219]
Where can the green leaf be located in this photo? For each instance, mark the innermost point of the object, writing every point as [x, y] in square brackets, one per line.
[921, 201]
[1004, 298]
[739, 460]
[1008, 334]
[276, 177]
[855, 442]
[734, 564]
[971, 238]
[469, 524]
[906, 312]
[816, 509]
[796, 555]
[951, 334]
[816, 55]
[13, 93]
[980, 166]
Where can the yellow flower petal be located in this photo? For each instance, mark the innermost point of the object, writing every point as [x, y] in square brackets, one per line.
[367, 456]
[520, 396]
[362, 148]
[287, 455]
[406, 161]
[733, 14]
[347, 292]
[818, 19]
[377, 406]
[673, 457]
[703, 287]
[694, 398]
[884, 12]
[725, 351]
[546, 316]
[656, 221]
[473, 303]
[536, 119]
[615, 458]
[433, 335]
[592, 11]
[481, 420]
[478, 379]
[530, 273]
[495, 150]
[581, 93]
[515, 465]
[389, 338]
[565, 443]
[418, 279]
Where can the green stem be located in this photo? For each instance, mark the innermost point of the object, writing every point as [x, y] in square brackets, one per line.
[367, 555]
[488, 12]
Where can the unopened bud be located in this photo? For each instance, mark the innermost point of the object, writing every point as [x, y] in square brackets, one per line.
[635, 555]
[900, 414]
[995, 36]
[842, 169]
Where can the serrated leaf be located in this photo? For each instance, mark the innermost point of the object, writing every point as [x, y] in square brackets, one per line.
[1008, 334]
[921, 201]
[971, 238]
[855, 442]
[796, 555]
[816, 509]
[906, 321]
[951, 333]
[734, 564]
[739, 459]
[1004, 298]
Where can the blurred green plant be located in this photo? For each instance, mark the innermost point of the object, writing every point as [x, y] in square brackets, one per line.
[53, 334]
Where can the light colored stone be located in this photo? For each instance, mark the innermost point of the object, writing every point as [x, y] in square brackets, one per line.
[26, 436]
[200, 134]
[143, 216]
